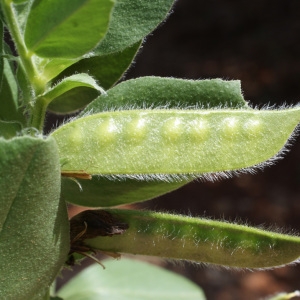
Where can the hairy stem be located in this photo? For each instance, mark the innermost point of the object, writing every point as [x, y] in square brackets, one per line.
[37, 82]
[25, 55]
[38, 114]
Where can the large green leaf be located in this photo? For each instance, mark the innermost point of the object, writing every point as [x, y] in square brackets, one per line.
[34, 229]
[102, 192]
[129, 280]
[131, 21]
[174, 141]
[200, 240]
[68, 28]
[153, 92]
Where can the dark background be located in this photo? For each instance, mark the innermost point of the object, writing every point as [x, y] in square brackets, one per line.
[256, 42]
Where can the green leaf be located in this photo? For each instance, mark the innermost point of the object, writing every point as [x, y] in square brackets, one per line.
[9, 129]
[156, 92]
[68, 28]
[64, 103]
[107, 69]
[73, 100]
[9, 105]
[34, 228]
[10, 82]
[173, 141]
[48, 68]
[199, 240]
[102, 192]
[145, 281]
[131, 21]
[66, 85]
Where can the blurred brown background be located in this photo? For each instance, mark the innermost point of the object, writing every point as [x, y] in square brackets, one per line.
[256, 42]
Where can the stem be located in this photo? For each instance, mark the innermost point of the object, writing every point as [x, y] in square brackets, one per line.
[25, 55]
[38, 83]
[38, 114]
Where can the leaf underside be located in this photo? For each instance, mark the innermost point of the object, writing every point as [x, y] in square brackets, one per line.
[30, 254]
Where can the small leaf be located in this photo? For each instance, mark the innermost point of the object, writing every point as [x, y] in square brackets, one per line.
[34, 227]
[145, 282]
[102, 192]
[156, 92]
[172, 141]
[73, 100]
[199, 240]
[68, 28]
[67, 84]
[131, 21]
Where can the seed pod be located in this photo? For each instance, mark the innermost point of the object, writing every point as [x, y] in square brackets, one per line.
[173, 141]
[199, 240]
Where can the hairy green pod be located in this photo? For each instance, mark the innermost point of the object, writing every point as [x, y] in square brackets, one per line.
[173, 141]
[199, 240]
